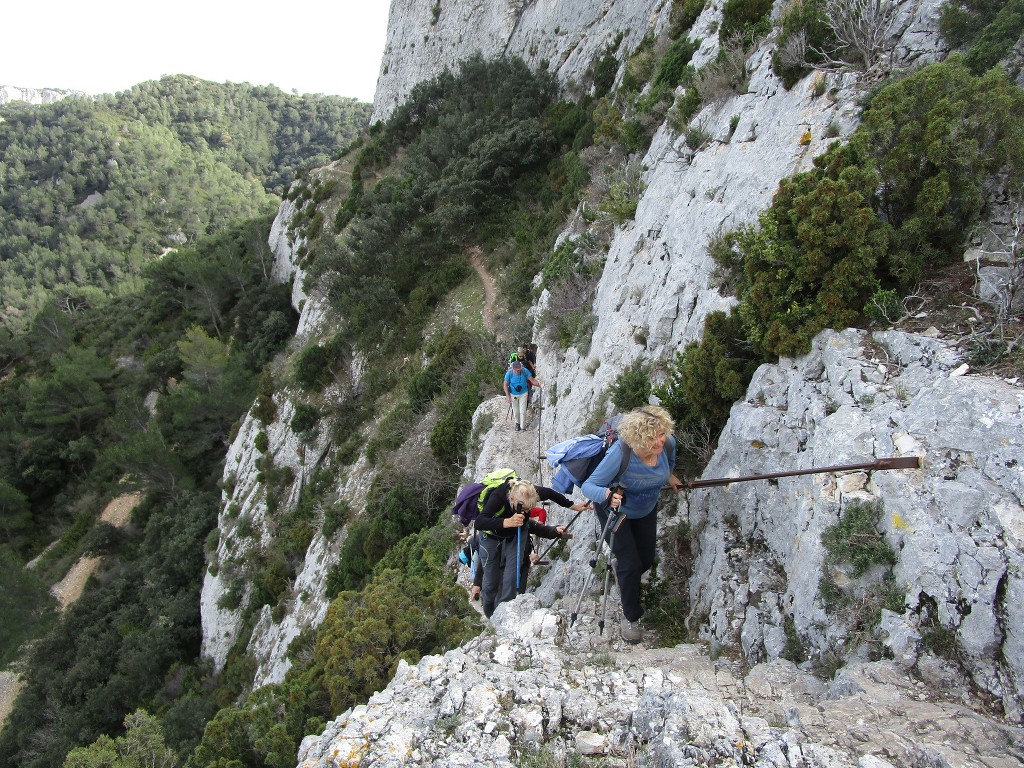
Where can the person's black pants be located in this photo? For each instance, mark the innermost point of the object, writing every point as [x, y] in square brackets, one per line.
[634, 546]
[502, 560]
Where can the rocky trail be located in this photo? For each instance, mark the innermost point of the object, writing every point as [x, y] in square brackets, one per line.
[531, 689]
[490, 288]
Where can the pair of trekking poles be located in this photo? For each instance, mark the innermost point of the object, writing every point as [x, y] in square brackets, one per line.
[607, 533]
[612, 524]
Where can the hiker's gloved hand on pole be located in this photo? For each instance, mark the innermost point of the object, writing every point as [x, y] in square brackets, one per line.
[616, 497]
[515, 521]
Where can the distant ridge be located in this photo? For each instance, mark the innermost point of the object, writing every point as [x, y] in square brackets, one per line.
[9, 93]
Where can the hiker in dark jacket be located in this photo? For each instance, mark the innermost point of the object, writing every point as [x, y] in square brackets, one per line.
[506, 528]
[529, 359]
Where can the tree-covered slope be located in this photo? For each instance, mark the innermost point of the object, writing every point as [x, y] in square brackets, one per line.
[90, 190]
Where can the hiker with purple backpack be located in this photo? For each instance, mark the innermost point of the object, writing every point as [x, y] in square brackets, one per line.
[505, 527]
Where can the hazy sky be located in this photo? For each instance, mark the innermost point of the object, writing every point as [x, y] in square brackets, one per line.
[105, 46]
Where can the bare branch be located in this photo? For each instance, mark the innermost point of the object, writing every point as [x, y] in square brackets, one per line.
[863, 32]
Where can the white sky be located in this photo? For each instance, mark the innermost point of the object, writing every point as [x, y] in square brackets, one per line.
[105, 46]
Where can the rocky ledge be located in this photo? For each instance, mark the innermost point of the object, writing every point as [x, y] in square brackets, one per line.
[535, 687]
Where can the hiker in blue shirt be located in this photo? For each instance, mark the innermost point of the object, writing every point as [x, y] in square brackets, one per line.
[647, 432]
[517, 383]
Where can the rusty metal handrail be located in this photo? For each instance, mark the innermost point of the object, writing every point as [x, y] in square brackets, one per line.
[891, 462]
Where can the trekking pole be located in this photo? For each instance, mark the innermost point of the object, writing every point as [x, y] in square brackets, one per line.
[601, 533]
[540, 426]
[567, 527]
[608, 560]
[519, 548]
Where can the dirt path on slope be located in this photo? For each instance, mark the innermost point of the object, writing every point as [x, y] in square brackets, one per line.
[10, 687]
[490, 288]
[117, 513]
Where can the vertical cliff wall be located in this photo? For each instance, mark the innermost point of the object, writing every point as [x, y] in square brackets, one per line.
[425, 38]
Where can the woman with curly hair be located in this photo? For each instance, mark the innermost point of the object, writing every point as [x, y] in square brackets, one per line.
[647, 434]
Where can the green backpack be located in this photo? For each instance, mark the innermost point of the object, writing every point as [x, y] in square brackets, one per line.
[502, 476]
[470, 502]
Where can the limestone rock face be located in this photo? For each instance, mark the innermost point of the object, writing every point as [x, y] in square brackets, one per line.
[245, 526]
[523, 689]
[422, 42]
[9, 93]
[285, 246]
[955, 525]
[285, 249]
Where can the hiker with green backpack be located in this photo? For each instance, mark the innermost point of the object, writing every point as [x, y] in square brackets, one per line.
[505, 526]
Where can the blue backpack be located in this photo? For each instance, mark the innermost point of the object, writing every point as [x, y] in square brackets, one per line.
[576, 459]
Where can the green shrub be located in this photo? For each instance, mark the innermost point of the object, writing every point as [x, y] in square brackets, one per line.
[313, 367]
[261, 442]
[335, 516]
[449, 437]
[639, 66]
[794, 648]
[683, 15]
[604, 74]
[685, 106]
[624, 193]
[812, 263]
[568, 260]
[573, 328]
[803, 21]
[27, 608]
[632, 388]
[727, 275]
[885, 308]
[934, 184]
[265, 409]
[697, 137]
[996, 41]
[392, 431]
[305, 418]
[856, 540]
[744, 19]
[963, 20]
[706, 378]
[672, 69]
[396, 510]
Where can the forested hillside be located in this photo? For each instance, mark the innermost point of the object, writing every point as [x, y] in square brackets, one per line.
[92, 190]
[137, 313]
